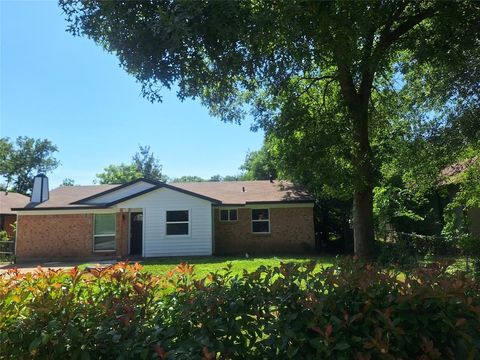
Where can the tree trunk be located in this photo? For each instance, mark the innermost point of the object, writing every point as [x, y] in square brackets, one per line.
[363, 231]
[357, 104]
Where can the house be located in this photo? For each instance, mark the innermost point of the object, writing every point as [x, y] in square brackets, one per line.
[451, 179]
[148, 218]
[9, 200]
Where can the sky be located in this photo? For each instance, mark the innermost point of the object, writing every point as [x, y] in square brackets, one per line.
[69, 90]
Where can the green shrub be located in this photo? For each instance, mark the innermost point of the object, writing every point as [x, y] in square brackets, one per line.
[294, 311]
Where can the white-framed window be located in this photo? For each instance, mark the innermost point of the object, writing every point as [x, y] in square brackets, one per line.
[178, 222]
[261, 221]
[104, 228]
[228, 214]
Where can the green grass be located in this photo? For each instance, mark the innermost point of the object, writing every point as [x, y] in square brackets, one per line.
[205, 265]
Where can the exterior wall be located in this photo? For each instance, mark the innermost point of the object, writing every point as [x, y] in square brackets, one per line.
[121, 193]
[291, 231]
[155, 241]
[65, 236]
[7, 221]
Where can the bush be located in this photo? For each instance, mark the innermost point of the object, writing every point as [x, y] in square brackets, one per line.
[349, 311]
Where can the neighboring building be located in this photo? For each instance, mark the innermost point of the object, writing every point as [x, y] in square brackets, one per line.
[148, 218]
[451, 179]
[9, 200]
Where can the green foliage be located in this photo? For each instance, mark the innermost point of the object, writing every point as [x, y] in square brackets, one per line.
[259, 165]
[119, 174]
[21, 160]
[329, 79]
[144, 165]
[187, 178]
[350, 311]
[68, 182]
[4, 236]
[466, 198]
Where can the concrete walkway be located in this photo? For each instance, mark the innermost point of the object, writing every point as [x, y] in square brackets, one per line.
[30, 267]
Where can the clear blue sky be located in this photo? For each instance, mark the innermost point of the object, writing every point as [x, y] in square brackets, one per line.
[70, 91]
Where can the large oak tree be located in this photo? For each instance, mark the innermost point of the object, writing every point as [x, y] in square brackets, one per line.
[261, 56]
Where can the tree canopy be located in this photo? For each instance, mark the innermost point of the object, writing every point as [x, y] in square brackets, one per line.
[323, 76]
[144, 165]
[22, 159]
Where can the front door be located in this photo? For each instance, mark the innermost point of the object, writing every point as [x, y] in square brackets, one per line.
[136, 233]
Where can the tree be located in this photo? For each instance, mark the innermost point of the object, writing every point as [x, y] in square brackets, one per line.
[259, 165]
[68, 182]
[21, 160]
[144, 165]
[188, 178]
[119, 174]
[149, 166]
[215, 178]
[290, 61]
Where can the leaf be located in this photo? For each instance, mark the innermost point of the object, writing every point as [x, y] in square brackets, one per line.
[342, 346]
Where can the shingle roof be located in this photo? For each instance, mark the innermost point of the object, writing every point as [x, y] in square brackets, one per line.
[232, 192]
[12, 200]
[449, 175]
[64, 196]
[228, 193]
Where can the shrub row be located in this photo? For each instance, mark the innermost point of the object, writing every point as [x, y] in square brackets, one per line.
[349, 311]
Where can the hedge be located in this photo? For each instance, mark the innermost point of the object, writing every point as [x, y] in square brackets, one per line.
[294, 311]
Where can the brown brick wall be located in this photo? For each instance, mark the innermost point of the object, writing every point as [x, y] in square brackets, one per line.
[64, 236]
[291, 231]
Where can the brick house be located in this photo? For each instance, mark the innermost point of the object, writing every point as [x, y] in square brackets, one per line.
[9, 200]
[149, 219]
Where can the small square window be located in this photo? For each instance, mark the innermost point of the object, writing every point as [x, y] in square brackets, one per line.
[228, 215]
[224, 215]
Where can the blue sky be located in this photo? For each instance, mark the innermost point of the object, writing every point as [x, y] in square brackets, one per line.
[70, 91]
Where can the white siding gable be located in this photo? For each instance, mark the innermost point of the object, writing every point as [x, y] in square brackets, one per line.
[155, 205]
[120, 193]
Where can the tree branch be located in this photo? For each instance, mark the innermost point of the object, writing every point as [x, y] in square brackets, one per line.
[388, 38]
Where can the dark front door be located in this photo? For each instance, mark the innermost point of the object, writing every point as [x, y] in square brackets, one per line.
[136, 233]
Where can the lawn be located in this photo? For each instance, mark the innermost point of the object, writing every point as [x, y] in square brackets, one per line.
[206, 265]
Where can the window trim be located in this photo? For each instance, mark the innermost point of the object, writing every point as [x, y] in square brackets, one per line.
[178, 222]
[104, 235]
[227, 209]
[263, 220]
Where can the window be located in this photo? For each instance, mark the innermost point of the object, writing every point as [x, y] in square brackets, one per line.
[229, 215]
[177, 222]
[104, 232]
[260, 221]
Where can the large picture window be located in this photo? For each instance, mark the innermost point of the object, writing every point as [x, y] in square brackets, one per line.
[178, 222]
[260, 221]
[104, 232]
[228, 215]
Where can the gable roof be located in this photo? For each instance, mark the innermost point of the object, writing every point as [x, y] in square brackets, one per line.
[223, 193]
[9, 200]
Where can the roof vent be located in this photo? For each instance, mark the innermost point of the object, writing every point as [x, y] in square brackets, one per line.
[243, 188]
[40, 189]
[270, 177]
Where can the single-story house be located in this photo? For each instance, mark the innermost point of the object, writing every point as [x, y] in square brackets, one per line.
[9, 200]
[150, 219]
